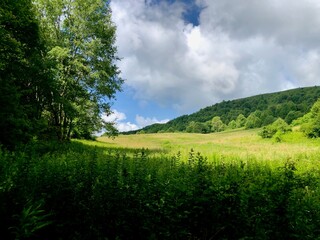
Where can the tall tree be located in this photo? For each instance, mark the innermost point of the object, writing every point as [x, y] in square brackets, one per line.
[21, 69]
[80, 45]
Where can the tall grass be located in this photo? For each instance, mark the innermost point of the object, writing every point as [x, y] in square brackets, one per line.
[78, 191]
[232, 144]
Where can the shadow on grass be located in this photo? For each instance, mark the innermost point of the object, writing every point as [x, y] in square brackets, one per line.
[56, 147]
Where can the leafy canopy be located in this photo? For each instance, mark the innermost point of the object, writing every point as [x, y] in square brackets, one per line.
[58, 69]
[80, 46]
[22, 80]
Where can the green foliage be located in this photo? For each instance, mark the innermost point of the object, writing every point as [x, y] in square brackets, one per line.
[57, 69]
[241, 121]
[293, 115]
[281, 126]
[80, 47]
[197, 127]
[302, 120]
[276, 129]
[217, 125]
[232, 124]
[22, 80]
[31, 219]
[310, 123]
[287, 105]
[253, 121]
[267, 118]
[72, 191]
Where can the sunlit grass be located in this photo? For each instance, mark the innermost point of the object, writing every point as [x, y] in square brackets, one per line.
[240, 143]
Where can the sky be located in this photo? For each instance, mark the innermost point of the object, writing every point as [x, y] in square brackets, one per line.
[178, 56]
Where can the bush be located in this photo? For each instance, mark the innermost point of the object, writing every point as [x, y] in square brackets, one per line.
[311, 121]
[277, 128]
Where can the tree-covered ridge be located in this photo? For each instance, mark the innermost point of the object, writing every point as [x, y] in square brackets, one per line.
[260, 110]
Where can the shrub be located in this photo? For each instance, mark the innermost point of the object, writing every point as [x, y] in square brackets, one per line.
[277, 128]
[311, 121]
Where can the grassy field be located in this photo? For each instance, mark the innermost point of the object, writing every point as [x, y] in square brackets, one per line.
[238, 144]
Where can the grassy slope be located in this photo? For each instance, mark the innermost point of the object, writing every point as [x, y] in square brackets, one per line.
[238, 144]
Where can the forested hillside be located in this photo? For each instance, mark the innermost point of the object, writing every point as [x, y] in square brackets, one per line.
[256, 111]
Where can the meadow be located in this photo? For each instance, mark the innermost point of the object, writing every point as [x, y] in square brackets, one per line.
[229, 185]
[232, 145]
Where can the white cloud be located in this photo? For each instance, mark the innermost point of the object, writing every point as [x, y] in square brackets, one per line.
[115, 116]
[240, 48]
[122, 125]
[142, 121]
[287, 21]
[119, 119]
[309, 68]
[126, 126]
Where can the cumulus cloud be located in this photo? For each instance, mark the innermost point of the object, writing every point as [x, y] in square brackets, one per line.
[122, 125]
[119, 119]
[287, 21]
[239, 48]
[115, 116]
[142, 121]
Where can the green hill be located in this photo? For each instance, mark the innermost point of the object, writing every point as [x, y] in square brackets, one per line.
[288, 105]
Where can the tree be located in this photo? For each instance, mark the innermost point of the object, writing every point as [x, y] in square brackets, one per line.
[253, 121]
[293, 115]
[241, 121]
[311, 127]
[197, 127]
[80, 47]
[267, 117]
[232, 124]
[22, 79]
[278, 127]
[217, 125]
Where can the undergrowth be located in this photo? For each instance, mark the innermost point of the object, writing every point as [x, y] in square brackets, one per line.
[74, 191]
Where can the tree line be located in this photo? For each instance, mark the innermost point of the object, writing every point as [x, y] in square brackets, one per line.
[256, 111]
[309, 124]
[58, 69]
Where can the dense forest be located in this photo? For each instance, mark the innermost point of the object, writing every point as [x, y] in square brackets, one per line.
[58, 69]
[251, 112]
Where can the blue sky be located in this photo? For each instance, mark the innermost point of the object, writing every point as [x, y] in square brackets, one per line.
[180, 56]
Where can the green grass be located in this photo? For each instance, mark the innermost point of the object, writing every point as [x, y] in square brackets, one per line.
[237, 144]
